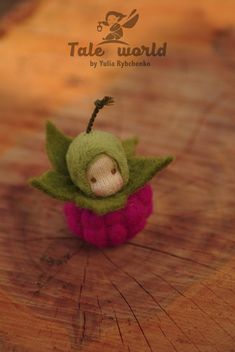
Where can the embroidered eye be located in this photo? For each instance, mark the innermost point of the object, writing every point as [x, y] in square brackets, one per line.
[113, 171]
[93, 180]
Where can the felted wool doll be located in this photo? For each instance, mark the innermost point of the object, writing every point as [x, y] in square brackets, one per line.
[105, 185]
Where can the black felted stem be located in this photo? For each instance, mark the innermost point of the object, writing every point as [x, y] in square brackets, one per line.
[99, 104]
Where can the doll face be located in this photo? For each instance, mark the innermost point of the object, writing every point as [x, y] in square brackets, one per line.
[104, 176]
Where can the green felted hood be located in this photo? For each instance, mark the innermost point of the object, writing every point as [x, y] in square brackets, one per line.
[85, 148]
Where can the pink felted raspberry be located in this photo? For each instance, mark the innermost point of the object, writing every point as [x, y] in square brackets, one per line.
[113, 228]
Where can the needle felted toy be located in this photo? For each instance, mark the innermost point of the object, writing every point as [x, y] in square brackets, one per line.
[105, 185]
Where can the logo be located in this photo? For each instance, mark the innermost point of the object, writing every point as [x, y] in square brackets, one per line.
[113, 28]
[116, 22]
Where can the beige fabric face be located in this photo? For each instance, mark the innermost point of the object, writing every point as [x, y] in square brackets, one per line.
[104, 176]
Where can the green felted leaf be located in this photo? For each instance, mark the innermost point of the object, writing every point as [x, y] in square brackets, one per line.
[61, 187]
[102, 206]
[59, 184]
[129, 146]
[142, 170]
[56, 185]
[57, 145]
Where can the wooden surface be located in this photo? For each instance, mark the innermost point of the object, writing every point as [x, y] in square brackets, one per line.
[172, 288]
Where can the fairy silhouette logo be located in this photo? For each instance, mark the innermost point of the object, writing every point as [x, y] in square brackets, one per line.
[113, 27]
[115, 23]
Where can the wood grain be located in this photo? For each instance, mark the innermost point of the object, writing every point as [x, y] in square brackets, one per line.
[172, 288]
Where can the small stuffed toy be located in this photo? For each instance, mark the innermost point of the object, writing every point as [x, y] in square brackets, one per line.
[105, 185]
